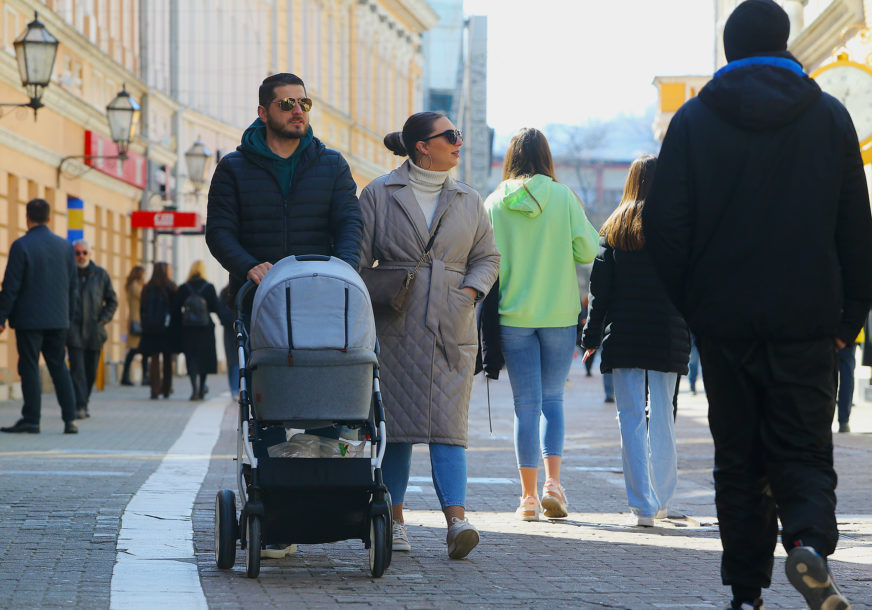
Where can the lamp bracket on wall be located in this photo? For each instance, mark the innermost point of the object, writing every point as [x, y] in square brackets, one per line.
[60, 169]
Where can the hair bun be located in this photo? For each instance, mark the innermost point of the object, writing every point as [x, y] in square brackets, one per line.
[394, 143]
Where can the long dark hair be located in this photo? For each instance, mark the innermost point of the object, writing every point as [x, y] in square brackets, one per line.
[623, 228]
[417, 127]
[160, 280]
[528, 154]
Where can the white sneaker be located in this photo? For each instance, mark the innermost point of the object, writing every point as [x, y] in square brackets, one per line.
[644, 521]
[462, 537]
[400, 537]
[277, 551]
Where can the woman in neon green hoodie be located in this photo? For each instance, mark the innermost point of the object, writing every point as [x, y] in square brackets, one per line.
[541, 232]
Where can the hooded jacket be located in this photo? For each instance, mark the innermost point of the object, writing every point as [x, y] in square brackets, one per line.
[758, 220]
[263, 208]
[541, 232]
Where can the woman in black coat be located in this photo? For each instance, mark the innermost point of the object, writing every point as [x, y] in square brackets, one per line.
[195, 301]
[158, 330]
[644, 341]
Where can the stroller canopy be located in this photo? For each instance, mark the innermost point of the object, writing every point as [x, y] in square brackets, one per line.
[312, 304]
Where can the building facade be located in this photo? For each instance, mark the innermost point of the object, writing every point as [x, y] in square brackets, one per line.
[194, 66]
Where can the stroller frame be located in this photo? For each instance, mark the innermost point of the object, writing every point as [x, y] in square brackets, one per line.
[305, 500]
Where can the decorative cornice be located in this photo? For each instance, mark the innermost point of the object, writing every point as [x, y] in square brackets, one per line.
[415, 14]
[818, 40]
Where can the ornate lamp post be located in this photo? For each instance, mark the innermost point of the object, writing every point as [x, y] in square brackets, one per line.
[35, 50]
[195, 159]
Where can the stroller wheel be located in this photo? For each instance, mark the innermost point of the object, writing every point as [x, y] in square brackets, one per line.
[378, 559]
[225, 529]
[252, 549]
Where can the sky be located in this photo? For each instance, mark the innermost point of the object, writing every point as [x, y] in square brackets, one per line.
[572, 61]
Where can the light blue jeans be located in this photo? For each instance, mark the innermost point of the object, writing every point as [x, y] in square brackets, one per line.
[538, 361]
[648, 448]
[447, 466]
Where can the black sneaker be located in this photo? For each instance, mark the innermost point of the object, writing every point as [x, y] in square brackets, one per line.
[807, 572]
[71, 428]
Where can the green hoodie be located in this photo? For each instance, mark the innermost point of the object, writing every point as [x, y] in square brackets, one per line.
[541, 232]
[254, 141]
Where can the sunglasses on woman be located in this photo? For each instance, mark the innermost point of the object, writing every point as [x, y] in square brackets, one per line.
[287, 104]
[452, 135]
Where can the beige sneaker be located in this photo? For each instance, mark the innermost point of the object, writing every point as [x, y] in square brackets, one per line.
[554, 501]
[277, 551]
[400, 537]
[462, 537]
[529, 509]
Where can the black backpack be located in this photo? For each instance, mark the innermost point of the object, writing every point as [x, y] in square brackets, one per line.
[195, 310]
[155, 311]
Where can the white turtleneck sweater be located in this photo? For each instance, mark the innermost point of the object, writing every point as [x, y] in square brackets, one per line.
[426, 185]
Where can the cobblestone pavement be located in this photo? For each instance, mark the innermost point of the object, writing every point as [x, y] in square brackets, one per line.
[61, 499]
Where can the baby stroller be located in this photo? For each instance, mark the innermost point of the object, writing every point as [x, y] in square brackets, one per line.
[308, 360]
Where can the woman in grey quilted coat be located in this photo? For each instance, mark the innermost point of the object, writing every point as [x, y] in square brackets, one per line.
[428, 353]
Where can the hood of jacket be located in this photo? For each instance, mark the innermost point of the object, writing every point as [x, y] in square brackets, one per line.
[761, 92]
[529, 196]
[254, 141]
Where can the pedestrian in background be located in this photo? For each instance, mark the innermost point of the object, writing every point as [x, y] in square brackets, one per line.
[39, 296]
[96, 307]
[541, 232]
[845, 398]
[159, 333]
[195, 301]
[759, 225]
[428, 353]
[133, 287]
[645, 344]
[225, 315]
[693, 365]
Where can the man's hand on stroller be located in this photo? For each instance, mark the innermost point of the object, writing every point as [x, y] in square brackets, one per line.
[256, 274]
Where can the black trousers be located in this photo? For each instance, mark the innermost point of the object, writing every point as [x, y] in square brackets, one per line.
[52, 345]
[83, 369]
[771, 409]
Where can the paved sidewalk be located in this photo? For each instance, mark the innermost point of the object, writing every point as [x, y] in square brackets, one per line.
[590, 560]
[62, 498]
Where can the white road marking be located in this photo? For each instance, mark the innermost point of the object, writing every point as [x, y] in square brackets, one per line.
[155, 565]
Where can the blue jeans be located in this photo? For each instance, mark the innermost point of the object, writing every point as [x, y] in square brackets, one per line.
[447, 466]
[847, 362]
[538, 362]
[648, 449]
[693, 364]
[608, 386]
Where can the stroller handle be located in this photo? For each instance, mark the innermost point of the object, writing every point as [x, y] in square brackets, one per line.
[312, 257]
[247, 287]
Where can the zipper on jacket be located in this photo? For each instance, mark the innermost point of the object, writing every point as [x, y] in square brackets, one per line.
[345, 349]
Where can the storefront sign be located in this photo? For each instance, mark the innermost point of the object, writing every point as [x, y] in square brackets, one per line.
[144, 219]
[132, 170]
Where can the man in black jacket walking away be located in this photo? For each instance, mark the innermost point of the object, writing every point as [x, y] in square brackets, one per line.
[282, 192]
[759, 224]
[97, 305]
[38, 298]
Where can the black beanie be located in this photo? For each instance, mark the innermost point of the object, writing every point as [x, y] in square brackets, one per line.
[756, 27]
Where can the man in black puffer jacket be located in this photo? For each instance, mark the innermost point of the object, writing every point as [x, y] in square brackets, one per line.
[759, 224]
[282, 192]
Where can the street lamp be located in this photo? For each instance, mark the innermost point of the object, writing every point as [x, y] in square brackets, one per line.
[195, 159]
[122, 114]
[35, 49]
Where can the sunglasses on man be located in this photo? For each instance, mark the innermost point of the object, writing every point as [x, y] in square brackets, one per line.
[81, 252]
[287, 104]
[452, 135]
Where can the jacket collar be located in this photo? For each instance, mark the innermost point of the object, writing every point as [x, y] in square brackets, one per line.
[405, 197]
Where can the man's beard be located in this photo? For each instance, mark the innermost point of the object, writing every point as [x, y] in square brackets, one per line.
[83, 265]
[282, 130]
